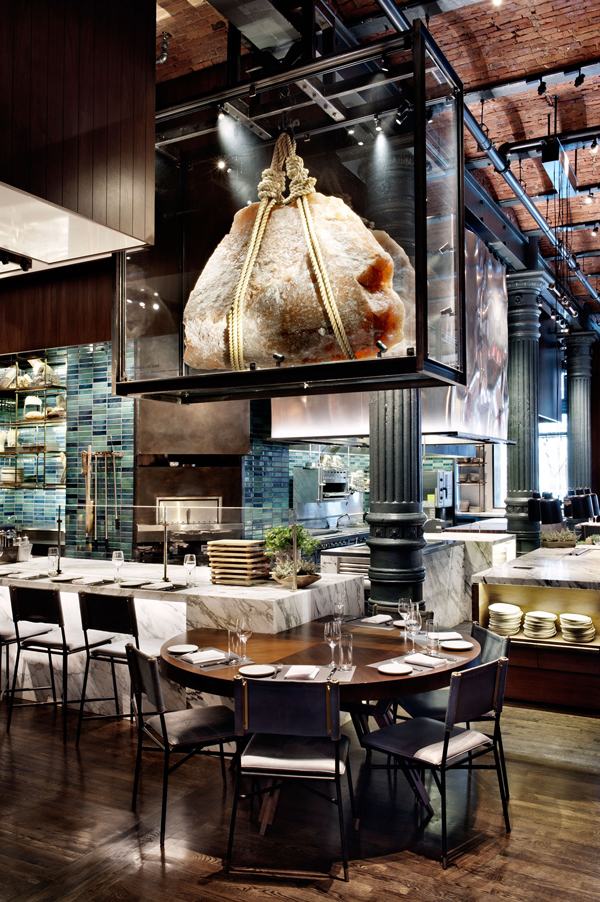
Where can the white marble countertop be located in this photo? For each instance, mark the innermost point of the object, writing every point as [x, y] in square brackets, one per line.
[549, 567]
[492, 537]
[269, 590]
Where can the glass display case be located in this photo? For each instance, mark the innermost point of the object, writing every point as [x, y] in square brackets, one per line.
[309, 235]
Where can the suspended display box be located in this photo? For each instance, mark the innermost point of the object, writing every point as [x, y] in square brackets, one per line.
[309, 236]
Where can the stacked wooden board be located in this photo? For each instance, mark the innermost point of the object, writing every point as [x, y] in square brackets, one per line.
[238, 562]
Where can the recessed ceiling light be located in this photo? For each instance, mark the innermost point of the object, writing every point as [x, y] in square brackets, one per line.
[156, 306]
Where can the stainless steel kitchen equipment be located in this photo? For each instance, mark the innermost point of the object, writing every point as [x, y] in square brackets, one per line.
[316, 484]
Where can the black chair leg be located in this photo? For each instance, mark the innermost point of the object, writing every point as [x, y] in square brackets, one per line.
[222, 755]
[138, 765]
[11, 699]
[444, 825]
[83, 690]
[350, 788]
[363, 785]
[236, 795]
[52, 681]
[116, 691]
[163, 813]
[64, 695]
[338, 791]
[503, 765]
[501, 785]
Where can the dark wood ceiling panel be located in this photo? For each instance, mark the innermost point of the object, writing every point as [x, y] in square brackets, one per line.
[77, 107]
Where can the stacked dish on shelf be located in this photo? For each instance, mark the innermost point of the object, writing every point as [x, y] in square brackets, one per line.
[577, 628]
[505, 619]
[12, 475]
[539, 625]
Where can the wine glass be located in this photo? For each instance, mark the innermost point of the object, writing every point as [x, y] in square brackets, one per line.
[189, 562]
[413, 623]
[339, 603]
[403, 609]
[117, 559]
[332, 632]
[244, 630]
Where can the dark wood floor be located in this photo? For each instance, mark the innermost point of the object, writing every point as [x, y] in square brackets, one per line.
[67, 832]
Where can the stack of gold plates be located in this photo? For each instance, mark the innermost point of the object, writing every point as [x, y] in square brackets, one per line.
[539, 625]
[238, 562]
[577, 628]
[505, 619]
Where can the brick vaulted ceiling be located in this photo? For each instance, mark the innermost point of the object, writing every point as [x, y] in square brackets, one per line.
[485, 43]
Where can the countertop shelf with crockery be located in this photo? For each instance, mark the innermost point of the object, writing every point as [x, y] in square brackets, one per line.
[548, 671]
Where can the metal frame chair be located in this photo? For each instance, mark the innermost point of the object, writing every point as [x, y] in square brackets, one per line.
[115, 614]
[427, 744]
[296, 727]
[187, 732]
[8, 637]
[44, 606]
[434, 703]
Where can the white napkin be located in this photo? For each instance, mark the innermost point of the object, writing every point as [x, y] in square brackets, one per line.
[443, 637]
[425, 660]
[210, 656]
[157, 586]
[299, 672]
[378, 618]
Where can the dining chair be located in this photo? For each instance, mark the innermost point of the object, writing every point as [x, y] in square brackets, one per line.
[295, 729]
[434, 703]
[8, 637]
[44, 606]
[429, 744]
[188, 732]
[115, 614]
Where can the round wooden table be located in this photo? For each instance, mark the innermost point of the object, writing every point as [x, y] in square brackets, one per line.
[305, 645]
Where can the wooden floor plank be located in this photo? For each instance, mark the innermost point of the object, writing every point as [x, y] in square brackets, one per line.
[67, 833]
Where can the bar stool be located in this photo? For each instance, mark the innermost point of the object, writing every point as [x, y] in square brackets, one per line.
[8, 637]
[44, 606]
[114, 614]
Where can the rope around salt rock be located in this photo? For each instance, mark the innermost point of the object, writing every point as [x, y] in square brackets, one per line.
[270, 192]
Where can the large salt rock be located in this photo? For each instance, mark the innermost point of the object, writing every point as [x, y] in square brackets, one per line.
[404, 285]
[283, 311]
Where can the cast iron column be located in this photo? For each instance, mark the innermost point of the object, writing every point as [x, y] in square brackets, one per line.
[579, 436]
[396, 513]
[524, 289]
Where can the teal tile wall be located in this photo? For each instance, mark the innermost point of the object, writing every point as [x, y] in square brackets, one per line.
[266, 476]
[39, 507]
[96, 418]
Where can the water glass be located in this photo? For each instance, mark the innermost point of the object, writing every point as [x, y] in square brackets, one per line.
[244, 629]
[117, 559]
[52, 561]
[331, 633]
[432, 637]
[189, 562]
[346, 651]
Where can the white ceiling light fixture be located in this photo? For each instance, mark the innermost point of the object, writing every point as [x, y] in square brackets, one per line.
[594, 147]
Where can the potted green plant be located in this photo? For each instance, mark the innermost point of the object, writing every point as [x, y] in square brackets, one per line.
[279, 542]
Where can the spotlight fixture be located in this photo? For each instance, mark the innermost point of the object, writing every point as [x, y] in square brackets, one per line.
[306, 138]
[221, 115]
[221, 164]
[589, 198]
[553, 315]
[377, 124]
[595, 230]
[360, 143]
[155, 307]
[497, 2]
[541, 87]
[350, 130]
[385, 64]
[229, 169]
[580, 79]
[594, 147]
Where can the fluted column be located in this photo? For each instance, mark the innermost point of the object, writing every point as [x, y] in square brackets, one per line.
[524, 291]
[396, 513]
[579, 379]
